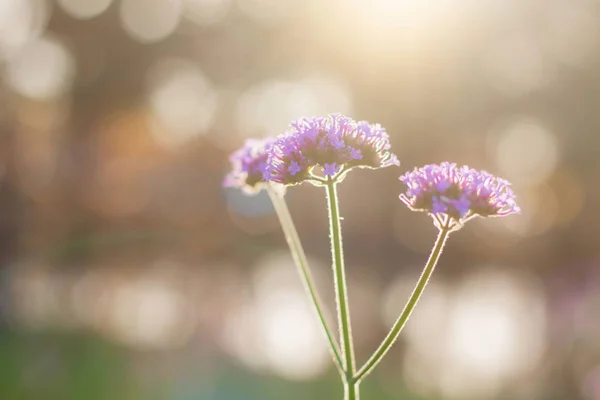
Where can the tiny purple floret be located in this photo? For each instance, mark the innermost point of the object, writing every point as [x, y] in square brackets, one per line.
[458, 192]
[294, 168]
[330, 169]
[355, 153]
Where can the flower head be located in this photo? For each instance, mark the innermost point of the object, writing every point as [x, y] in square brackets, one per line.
[334, 143]
[248, 165]
[457, 192]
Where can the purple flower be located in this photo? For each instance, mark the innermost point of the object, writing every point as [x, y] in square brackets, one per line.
[335, 144]
[248, 165]
[458, 192]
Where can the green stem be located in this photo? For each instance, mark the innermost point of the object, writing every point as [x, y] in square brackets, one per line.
[412, 302]
[351, 390]
[341, 291]
[293, 240]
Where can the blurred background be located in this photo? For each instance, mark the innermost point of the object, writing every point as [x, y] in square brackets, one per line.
[127, 272]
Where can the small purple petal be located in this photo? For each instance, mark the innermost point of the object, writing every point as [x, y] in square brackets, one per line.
[355, 154]
[294, 168]
[462, 205]
[330, 169]
[336, 142]
[438, 206]
[442, 186]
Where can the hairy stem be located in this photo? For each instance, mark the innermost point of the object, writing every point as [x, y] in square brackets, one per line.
[293, 240]
[341, 290]
[351, 391]
[410, 305]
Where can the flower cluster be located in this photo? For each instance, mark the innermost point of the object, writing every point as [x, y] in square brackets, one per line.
[458, 192]
[248, 165]
[334, 143]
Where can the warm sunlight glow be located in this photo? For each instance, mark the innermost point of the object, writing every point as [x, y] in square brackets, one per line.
[392, 28]
[389, 11]
[398, 13]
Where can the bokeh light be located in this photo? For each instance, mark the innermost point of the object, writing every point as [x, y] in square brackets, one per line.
[526, 151]
[149, 314]
[84, 9]
[150, 21]
[487, 331]
[21, 21]
[42, 69]
[498, 324]
[182, 99]
[278, 329]
[294, 343]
